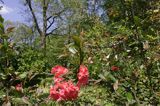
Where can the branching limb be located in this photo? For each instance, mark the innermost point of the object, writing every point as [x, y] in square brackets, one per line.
[51, 32]
[28, 2]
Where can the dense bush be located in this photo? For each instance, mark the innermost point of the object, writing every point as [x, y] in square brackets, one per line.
[122, 57]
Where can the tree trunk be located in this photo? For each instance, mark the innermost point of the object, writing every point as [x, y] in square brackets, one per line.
[43, 41]
[43, 35]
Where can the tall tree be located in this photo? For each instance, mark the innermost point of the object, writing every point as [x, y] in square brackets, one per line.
[43, 16]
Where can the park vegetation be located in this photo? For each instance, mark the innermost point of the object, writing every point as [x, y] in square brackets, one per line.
[81, 53]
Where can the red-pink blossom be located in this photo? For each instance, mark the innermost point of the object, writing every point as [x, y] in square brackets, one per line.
[18, 87]
[64, 91]
[114, 68]
[83, 76]
[57, 80]
[59, 71]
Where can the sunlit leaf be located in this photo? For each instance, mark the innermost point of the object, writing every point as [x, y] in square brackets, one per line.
[115, 85]
[129, 96]
[72, 50]
[23, 75]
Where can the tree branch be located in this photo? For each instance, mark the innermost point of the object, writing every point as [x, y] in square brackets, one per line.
[28, 2]
[51, 23]
[51, 31]
[59, 13]
[53, 20]
[56, 14]
[49, 18]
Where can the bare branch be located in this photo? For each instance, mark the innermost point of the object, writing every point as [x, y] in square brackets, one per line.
[51, 32]
[28, 2]
[59, 13]
[53, 20]
[49, 18]
[51, 23]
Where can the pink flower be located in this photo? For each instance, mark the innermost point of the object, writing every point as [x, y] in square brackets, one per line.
[53, 93]
[114, 68]
[57, 80]
[59, 71]
[64, 91]
[18, 87]
[83, 76]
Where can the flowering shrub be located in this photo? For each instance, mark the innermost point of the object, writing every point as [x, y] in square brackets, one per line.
[63, 90]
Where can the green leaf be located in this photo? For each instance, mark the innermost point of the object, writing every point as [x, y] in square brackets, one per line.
[137, 20]
[129, 96]
[102, 76]
[72, 50]
[2, 94]
[112, 77]
[1, 28]
[23, 75]
[1, 19]
[77, 41]
[5, 43]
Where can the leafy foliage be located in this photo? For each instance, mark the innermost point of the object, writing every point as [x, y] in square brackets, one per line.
[122, 56]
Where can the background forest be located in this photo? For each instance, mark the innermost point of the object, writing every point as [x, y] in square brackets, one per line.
[118, 41]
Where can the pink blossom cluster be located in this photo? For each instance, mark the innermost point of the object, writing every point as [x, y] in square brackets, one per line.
[66, 90]
[83, 76]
